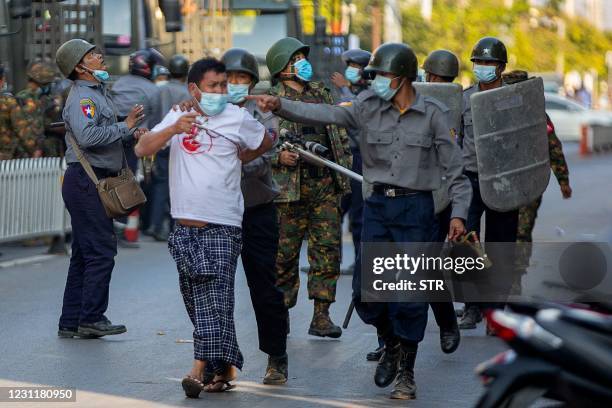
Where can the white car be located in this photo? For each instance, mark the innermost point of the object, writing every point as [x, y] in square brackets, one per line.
[569, 116]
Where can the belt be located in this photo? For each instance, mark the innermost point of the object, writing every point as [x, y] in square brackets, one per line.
[389, 190]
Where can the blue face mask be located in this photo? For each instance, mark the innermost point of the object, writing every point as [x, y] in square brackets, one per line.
[99, 74]
[212, 103]
[303, 70]
[382, 87]
[353, 74]
[236, 93]
[485, 73]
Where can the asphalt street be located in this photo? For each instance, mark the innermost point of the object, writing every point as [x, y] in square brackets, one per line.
[144, 366]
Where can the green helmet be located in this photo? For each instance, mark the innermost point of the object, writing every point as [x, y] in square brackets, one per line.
[280, 53]
[396, 58]
[41, 72]
[442, 63]
[70, 53]
[489, 49]
[237, 59]
[178, 65]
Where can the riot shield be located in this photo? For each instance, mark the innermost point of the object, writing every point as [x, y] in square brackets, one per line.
[450, 95]
[511, 144]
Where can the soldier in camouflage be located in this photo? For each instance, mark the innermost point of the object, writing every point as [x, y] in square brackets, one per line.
[9, 110]
[38, 109]
[529, 213]
[309, 197]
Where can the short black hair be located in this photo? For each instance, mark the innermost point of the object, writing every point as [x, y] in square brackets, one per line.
[202, 66]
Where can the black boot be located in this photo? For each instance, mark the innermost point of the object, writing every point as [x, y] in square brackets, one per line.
[405, 387]
[386, 370]
[376, 354]
[470, 318]
[450, 338]
[277, 371]
[101, 328]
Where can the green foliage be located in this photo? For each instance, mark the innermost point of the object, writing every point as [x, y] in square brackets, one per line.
[534, 40]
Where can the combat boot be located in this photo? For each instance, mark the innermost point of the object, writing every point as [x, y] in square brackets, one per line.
[471, 316]
[321, 324]
[277, 371]
[386, 370]
[405, 387]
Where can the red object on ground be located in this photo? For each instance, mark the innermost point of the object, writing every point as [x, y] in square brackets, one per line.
[131, 232]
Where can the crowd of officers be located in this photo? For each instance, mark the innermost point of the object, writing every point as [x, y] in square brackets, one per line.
[379, 127]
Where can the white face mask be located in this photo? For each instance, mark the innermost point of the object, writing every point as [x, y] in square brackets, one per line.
[161, 83]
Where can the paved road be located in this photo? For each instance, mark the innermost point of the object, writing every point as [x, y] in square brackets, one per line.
[143, 367]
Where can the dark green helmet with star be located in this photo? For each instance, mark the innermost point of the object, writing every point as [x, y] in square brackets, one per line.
[238, 59]
[280, 54]
[442, 63]
[489, 49]
[396, 58]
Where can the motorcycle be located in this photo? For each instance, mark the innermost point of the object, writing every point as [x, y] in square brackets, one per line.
[559, 352]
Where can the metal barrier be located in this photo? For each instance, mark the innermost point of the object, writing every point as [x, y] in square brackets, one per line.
[31, 202]
[595, 138]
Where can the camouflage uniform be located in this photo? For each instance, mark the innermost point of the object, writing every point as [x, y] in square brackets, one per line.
[528, 214]
[309, 203]
[37, 112]
[9, 110]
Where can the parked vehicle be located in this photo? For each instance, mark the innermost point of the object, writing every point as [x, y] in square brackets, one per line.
[568, 117]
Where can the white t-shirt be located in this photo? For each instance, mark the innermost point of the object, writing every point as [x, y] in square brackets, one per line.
[205, 170]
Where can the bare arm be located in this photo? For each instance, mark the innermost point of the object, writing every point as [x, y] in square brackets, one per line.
[152, 142]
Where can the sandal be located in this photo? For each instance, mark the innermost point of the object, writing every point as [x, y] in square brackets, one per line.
[225, 386]
[192, 386]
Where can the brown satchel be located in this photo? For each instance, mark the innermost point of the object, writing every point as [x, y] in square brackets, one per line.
[120, 195]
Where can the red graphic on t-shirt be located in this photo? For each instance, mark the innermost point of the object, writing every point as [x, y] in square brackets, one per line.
[192, 145]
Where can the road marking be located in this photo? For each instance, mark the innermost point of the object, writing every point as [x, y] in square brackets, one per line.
[26, 261]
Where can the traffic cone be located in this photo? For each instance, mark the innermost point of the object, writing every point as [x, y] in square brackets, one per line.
[131, 230]
[584, 141]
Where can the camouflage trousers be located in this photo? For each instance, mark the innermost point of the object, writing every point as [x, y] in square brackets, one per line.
[526, 223]
[316, 215]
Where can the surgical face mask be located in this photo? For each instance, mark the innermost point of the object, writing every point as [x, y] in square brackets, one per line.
[236, 93]
[161, 83]
[212, 103]
[303, 70]
[99, 74]
[485, 73]
[353, 74]
[382, 87]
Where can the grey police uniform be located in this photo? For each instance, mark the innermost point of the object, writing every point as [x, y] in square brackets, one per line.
[172, 93]
[260, 243]
[130, 90]
[409, 151]
[404, 156]
[89, 115]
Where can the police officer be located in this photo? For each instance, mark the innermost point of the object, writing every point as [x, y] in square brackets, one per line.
[35, 102]
[91, 123]
[489, 57]
[260, 224]
[351, 84]
[309, 195]
[138, 88]
[161, 75]
[442, 66]
[9, 112]
[399, 128]
[171, 93]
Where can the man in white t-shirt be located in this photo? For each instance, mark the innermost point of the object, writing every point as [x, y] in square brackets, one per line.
[208, 145]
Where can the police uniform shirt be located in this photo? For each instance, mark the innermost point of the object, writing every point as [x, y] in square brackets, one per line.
[467, 134]
[89, 115]
[172, 93]
[133, 90]
[412, 149]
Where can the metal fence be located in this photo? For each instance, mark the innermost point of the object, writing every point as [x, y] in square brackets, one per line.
[31, 202]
